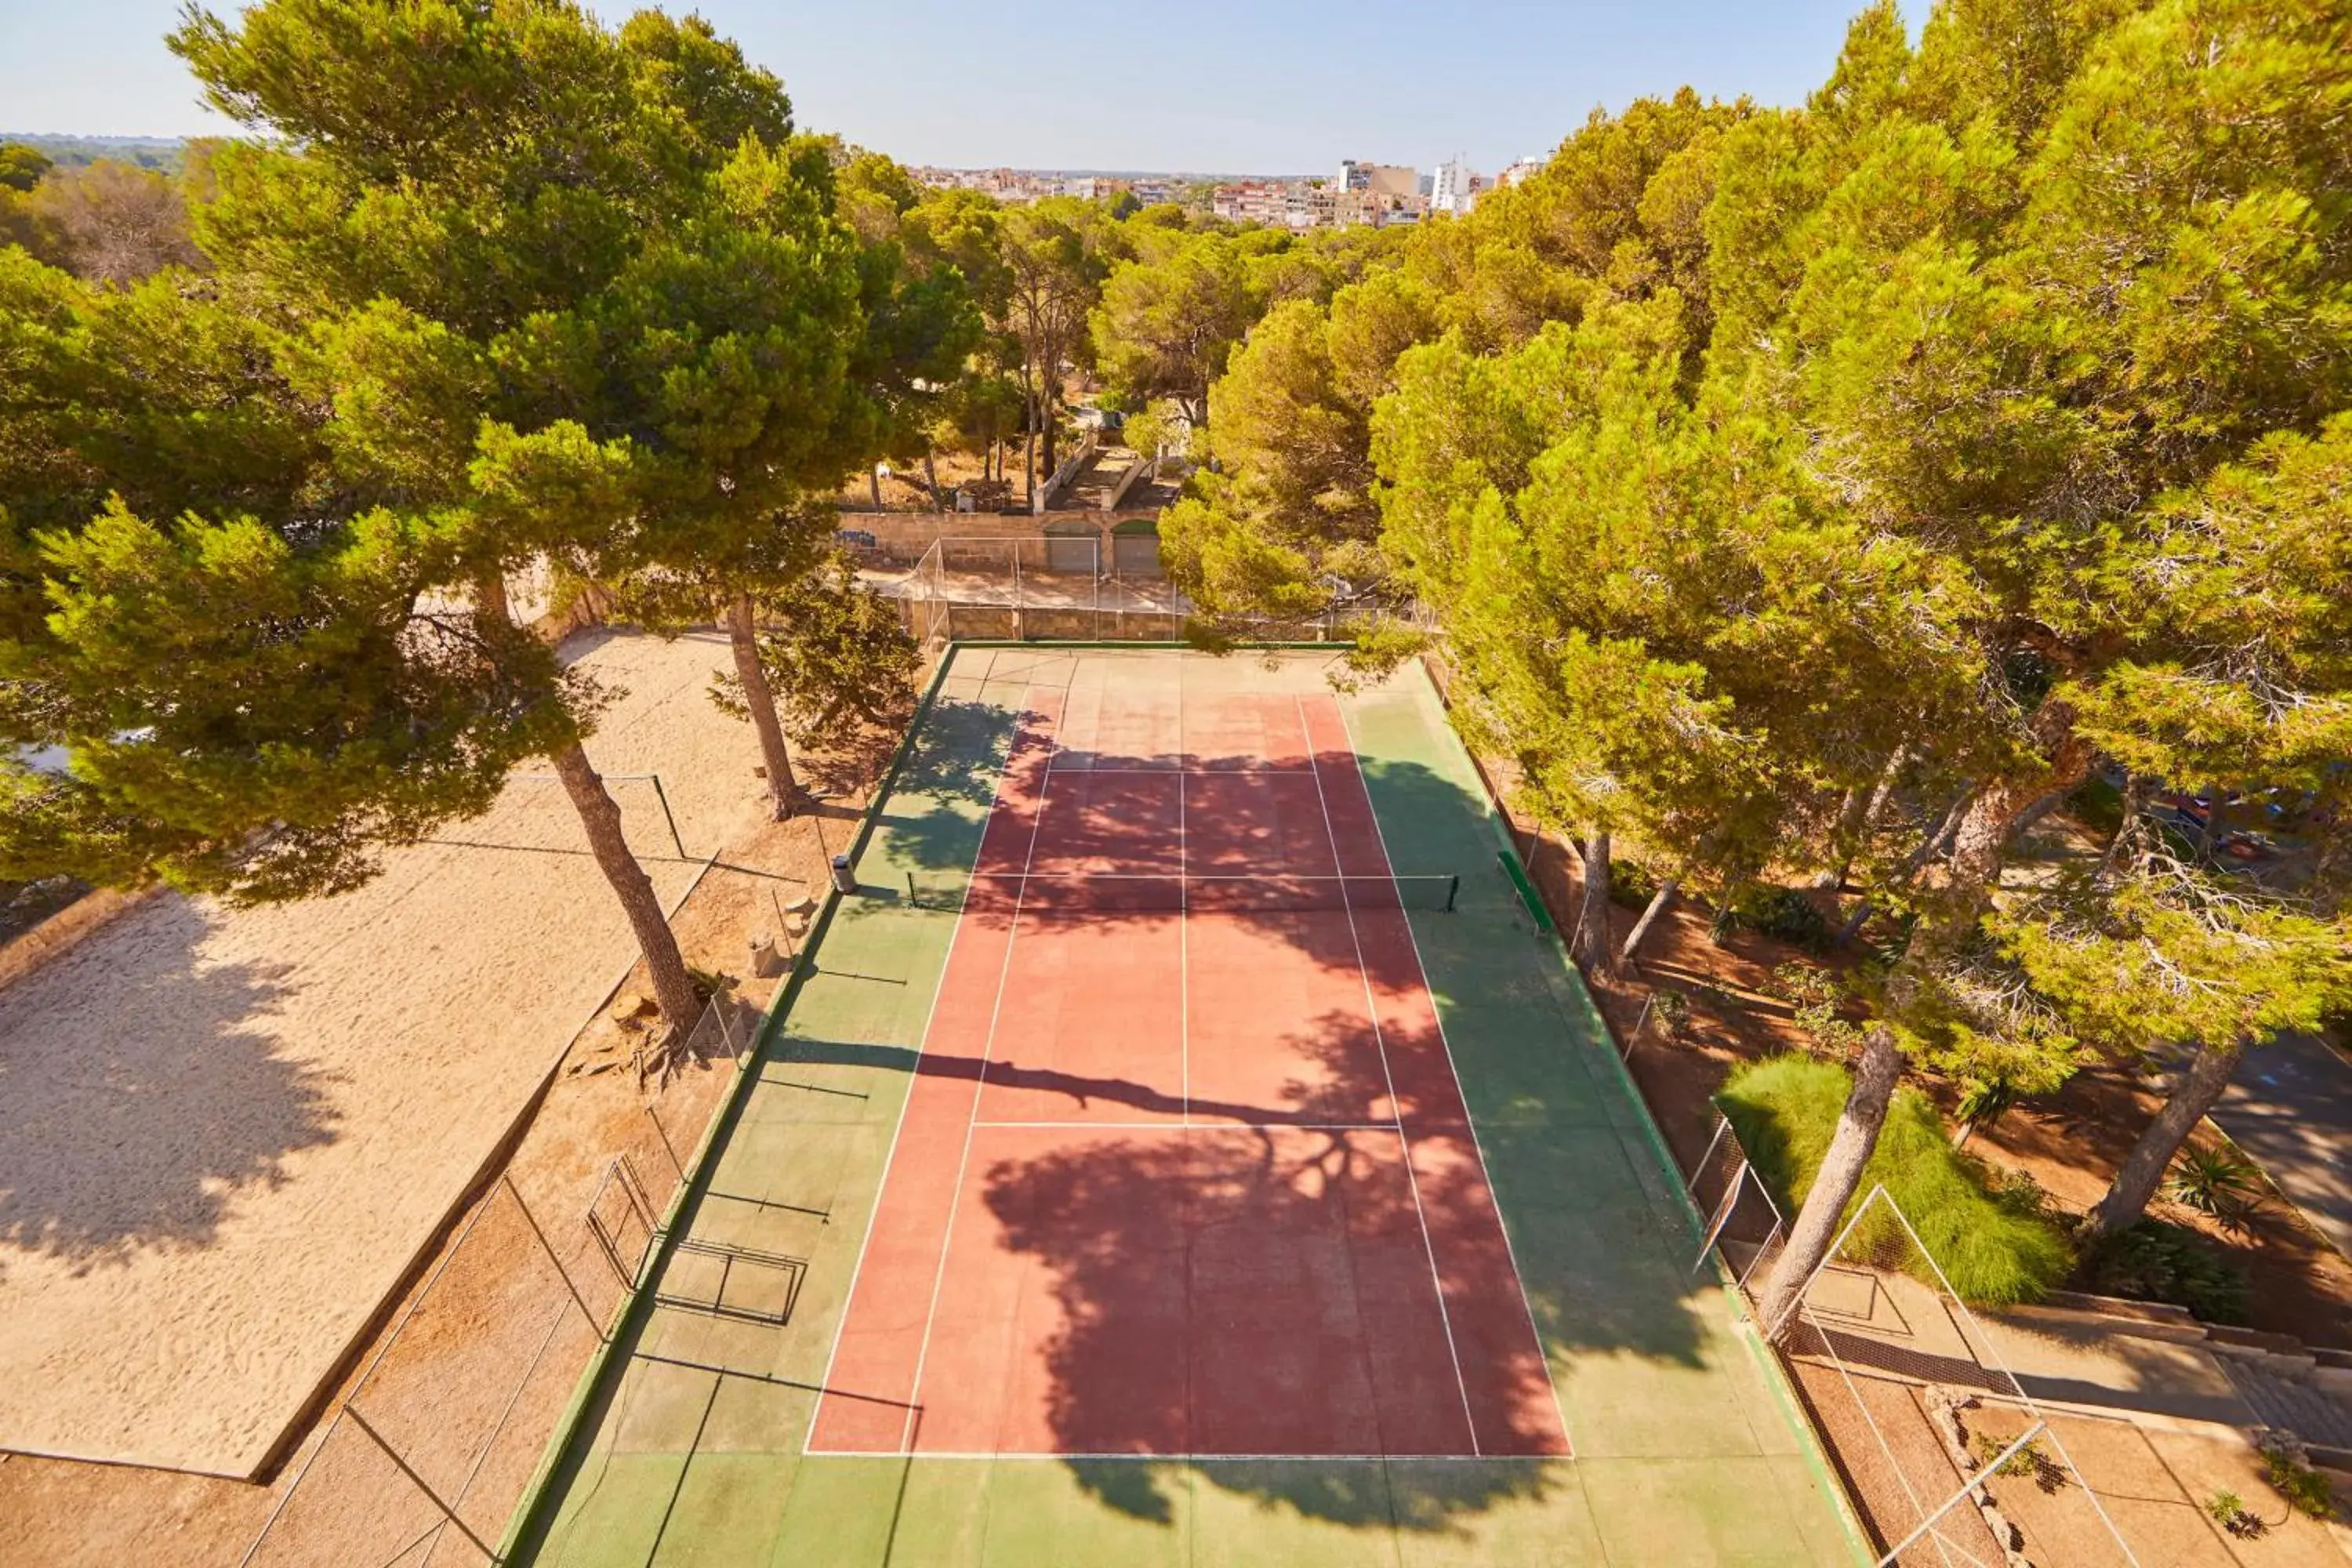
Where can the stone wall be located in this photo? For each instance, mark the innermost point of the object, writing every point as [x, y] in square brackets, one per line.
[904, 536]
[61, 932]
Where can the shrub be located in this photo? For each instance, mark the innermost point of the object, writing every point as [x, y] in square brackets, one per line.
[2157, 1261]
[2286, 1465]
[2097, 805]
[2217, 1181]
[1672, 1010]
[1631, 885]
[2029, 1463]
[2228, 1510]
[1817, 999]
[2303, 1487]
[1994, 1249]
[1781, 912]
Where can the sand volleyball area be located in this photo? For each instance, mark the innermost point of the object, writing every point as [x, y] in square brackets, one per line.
[230, 1132]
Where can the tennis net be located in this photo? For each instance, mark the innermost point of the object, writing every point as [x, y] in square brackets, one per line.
[1121, 893]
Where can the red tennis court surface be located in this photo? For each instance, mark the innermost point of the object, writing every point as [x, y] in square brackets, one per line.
[1185, 1170]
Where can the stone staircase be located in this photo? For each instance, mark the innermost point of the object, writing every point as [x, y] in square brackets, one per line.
[2321, 1419]
[2283, 1382]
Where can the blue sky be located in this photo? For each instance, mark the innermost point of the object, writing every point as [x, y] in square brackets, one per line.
[1222, 85]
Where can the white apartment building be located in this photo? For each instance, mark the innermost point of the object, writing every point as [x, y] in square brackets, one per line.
[1455, 189]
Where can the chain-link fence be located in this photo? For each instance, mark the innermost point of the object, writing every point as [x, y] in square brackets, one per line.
[1055, 586]
[1945, 1451]
[1745, 1228]
[426, 1451]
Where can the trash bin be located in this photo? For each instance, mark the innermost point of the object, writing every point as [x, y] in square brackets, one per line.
[845, 881]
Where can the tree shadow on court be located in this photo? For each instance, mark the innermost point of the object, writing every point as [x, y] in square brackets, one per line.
[1274, 1225]
[145, 1093]
[939, 807]
[1600, 1239]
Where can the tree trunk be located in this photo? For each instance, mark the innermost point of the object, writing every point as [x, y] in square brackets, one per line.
[1048, 435]
[2032, 813]
[874, 485]
[1842, 836]
[1989, 824]
[2194, 1093]
[673, 988]
[1883, 795]
[931, 476]
[1664, 895]
[1834, 1185]
[490, 599]
[2209, 842]
[1860, 820]
[1592, 917]
[1992, 814]
[1932, 845]
[742, 638]
[2135, 801]
[1029, 464]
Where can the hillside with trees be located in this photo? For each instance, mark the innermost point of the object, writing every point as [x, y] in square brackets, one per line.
[1973, 434]
[1804, 502]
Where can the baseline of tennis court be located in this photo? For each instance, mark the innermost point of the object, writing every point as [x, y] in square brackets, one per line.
[1208, 1057]
[1137, 1211]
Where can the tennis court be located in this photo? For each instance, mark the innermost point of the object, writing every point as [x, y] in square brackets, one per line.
[1184, 1150]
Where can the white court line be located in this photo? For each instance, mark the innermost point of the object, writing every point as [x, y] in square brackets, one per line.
[980, 1087]
[1239, 771]
[1379, 1039]
[922, 1048]
[1252, 877]
[1183, 921]
[1486, 1170]
[1220, 1125]
[1156, 1457]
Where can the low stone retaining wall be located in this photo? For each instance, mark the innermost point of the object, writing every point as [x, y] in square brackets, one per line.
[61, 932]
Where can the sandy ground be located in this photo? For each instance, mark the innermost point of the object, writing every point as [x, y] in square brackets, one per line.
[474, 1369]
[229, 1132]
[2152, 1484]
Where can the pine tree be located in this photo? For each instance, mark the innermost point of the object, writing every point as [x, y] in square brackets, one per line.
[223, 650]
[457, 187]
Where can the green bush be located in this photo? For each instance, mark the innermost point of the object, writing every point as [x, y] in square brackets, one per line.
[2286, 1465]
[2097, 805]
[1673, 1011]
[2217, 1181]
[2157, 1261]
[1631, 885]
[1995, 1249]
[2228, 1510]
[1817, 998]
[1782, 912]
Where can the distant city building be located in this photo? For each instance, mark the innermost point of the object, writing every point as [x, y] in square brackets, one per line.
[1455, 189]
[1518, 173]
[1395, 180]
[1366, 194]
[1252, 201]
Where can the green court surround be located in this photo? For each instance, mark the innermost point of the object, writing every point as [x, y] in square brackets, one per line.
[685, 1446]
